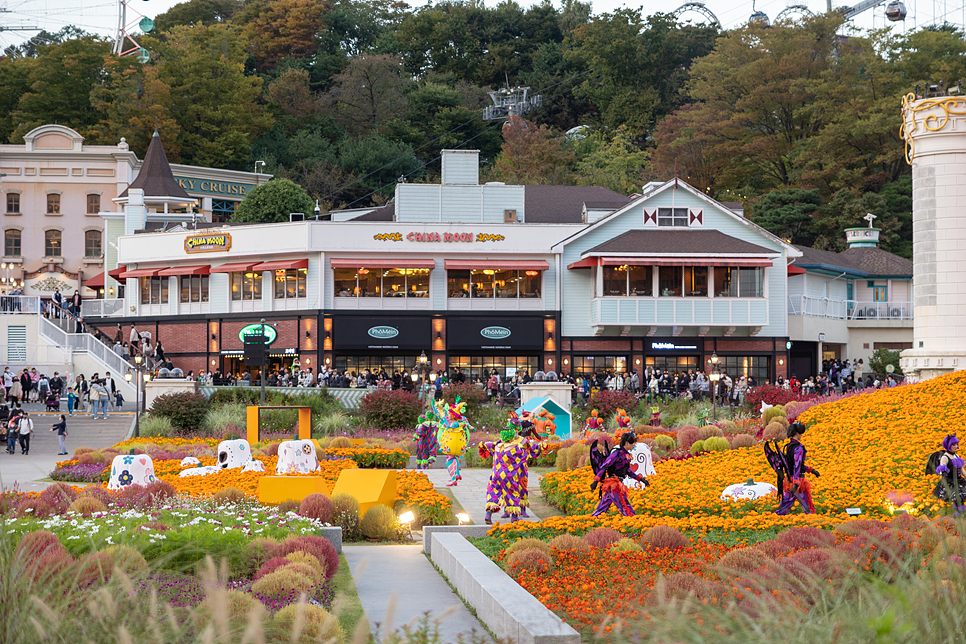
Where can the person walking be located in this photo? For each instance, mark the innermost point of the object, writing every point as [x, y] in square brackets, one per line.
[75, 304]
[13, 427]
[119, 334]
[111, 389]
[99, 398]
[25, 429]
[134, 339]
[61, 429]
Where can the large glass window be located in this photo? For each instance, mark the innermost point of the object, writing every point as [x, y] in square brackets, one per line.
[757, 367]
[11, 243]
[615, 280]
[670, 278]
[290, 283]
[380, 282]
[640, 280]
[695, 281]
[672, 364]
[590, 365]
[725, 281]
[53, 204]
[13, 203]
[246, 286]
[751, 282]
[52, 243]
[738, 282]
[154, 290]
[221, 210]
[489, 283]
[93, 204]
[375, 364]
[194, 288]
[480, 367]
[92, 243]
[672, 217]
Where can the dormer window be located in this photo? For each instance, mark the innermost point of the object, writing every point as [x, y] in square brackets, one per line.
[676, 217]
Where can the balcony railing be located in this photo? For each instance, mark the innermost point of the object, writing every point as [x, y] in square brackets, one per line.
[102, 308]
[823, 307]
[14, 304]
[680, 311]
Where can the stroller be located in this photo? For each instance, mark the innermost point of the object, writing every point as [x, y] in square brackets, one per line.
[52, 402]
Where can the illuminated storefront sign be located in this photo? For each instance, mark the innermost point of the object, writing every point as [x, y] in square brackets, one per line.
[257, 330]
[207, 243]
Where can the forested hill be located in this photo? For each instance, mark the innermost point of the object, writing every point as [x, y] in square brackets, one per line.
[799, 122]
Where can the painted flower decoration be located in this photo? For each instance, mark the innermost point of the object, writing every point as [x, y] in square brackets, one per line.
[306, 449]
[125, 478]
[129, 460]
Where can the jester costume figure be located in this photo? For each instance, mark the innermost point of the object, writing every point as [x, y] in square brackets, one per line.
[425, 439]
[453, 436]
[507, 488]
[796, 487]
[610, 474]
[952, 486]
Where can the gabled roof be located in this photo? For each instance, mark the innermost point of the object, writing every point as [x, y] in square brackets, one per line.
[155, 176]
[790, 251]
[565, 204]
[386, 213]
[666, 241]
[860, 262]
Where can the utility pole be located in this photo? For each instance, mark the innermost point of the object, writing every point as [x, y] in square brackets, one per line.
[3, 28]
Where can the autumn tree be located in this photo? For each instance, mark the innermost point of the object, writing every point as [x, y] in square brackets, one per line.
[192, 12]
[291, 92]
[532, 154]
[276, 29]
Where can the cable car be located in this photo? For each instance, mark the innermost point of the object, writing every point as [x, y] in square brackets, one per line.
[895, 11]
[759, 19]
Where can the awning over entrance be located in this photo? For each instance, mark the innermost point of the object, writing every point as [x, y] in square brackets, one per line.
[280, 265]
[242, 267]
[141, 272]
[95, 282]
[497, 264]
[116, 272]
[795, 270]
[186, 270]
[742, 262]
[342, 262]
[589, 262]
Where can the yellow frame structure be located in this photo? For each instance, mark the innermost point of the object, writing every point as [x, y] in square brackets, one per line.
[254, 414]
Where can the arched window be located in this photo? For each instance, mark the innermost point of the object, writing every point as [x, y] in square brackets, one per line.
[11, 243]
[92, 243]
[93, 204]
[53, 204]
[52, 243]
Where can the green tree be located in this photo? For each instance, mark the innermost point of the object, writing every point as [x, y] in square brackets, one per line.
[272, 202]
[207, 12]
[369, 92]
[611, 161]
[882, 358]
[217, 106]
[789, 213]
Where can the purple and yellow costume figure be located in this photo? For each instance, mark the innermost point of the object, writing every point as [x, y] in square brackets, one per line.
[453, 436]
[507, 488]
[796, 487]
[623, 420]
[425, 439]
[952, 486]
[610, 474]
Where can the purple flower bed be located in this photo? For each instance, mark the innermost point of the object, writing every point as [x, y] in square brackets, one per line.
[178, 589]
[92, 473]
[322, 594]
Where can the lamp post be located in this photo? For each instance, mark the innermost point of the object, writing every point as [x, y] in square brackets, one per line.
[140, 373]
[262, 373]
[715, 377]
[420, 370]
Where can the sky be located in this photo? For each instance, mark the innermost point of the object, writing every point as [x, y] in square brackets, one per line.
[100, 16]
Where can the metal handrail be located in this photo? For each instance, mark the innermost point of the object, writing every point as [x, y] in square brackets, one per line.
[824, 307]
[19, 304]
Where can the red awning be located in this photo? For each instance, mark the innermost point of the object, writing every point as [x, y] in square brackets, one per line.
[141, 272]
[95, 282]
[186, 270]
[795, 270]
[342, 262]
[242, 267]
[116, 272]
[496, 264]
[277, 266]
[742, 262]
[590, 262]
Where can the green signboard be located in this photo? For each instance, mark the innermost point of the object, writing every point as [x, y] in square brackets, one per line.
[256, 330]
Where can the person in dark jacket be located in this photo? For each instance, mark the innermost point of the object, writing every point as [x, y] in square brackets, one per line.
[61, 429]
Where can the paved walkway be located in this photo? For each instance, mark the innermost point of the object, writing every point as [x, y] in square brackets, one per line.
[471, 491]
[82, 431]
[398, 584]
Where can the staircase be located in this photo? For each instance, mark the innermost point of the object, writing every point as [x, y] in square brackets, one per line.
[89, 354]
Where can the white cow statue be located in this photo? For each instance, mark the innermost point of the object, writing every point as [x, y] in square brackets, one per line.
[641, 463]
[234, 453]
[131, 470]
[297, 457]
[748, 491]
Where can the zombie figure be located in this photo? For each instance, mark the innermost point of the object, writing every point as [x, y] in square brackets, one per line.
[610, 472]
[952, 486]
[796, 487]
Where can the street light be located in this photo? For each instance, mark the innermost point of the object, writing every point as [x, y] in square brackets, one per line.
[421, 370]
[142, 374]
[715, 377]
